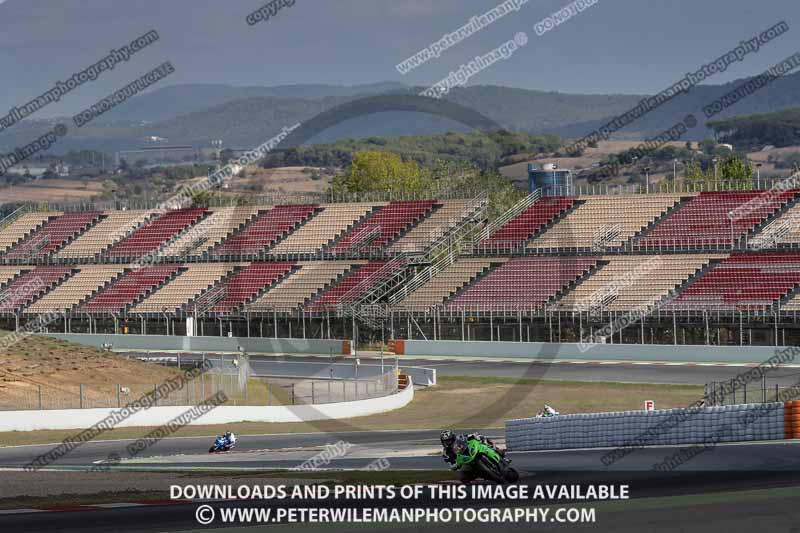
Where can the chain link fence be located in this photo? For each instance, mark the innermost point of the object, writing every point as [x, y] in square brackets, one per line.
[253, 392]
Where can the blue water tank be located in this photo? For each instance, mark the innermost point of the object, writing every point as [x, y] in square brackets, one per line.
[552, 180]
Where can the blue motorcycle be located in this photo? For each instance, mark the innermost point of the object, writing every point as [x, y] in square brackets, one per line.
[221, 444]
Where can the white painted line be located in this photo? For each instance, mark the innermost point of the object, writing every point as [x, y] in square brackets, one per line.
[21, 511]
[116, 505]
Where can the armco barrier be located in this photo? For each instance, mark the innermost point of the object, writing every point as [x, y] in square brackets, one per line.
[598, 352]
[157, 416]
[205, 344]
[730, 423]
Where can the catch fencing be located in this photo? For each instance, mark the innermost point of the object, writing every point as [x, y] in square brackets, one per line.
[256, 391]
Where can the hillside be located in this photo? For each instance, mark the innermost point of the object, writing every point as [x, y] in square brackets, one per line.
[777, 129]
[59, 367]
[245, 117]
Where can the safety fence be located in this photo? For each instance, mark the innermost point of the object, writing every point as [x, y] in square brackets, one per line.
[720, 393]
[730, 423]
[254, 392]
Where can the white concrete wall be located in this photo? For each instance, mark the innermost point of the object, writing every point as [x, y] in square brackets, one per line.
[545, 351]
[157, 416]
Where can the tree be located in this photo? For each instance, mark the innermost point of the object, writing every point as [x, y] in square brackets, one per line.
[693, 173]
[201, 198]
[736, 170]
[376, 170]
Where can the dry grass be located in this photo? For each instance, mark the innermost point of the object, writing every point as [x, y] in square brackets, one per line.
[55, 190]
[460, 402]
[60, 367]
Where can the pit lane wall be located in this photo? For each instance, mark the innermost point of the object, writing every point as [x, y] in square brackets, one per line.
[159, 416]
[545, 351]
[701, 425]
[206, 344]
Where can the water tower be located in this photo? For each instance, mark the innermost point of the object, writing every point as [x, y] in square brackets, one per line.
[553, 181]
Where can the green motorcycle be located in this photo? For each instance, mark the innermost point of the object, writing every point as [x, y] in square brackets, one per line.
[484, 461]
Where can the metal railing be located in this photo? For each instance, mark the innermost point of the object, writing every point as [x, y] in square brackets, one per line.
[446, 250]
[512, 213]
[257, 391]
[755, 392]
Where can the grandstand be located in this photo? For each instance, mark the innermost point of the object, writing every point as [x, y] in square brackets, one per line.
[702, 267]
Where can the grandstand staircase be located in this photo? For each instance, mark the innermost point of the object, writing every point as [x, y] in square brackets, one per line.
[140, 298]
[305, 220]
[236, 311]
[45, 290]
[364, 237]
[237, 231]
[14, 216]
[32, 236]
[473, 281]
[641, 234]
[788, 297]
[604, 236]
[362, 301]
[350, 228]
[143, 222]
[445, 251]
[515, 212]
[688, 282]
[271, 286]
[371, 234]
[97, 291]
[571, 285]
[72, 238]
[759, 228]
[159, 254]
[550, 223]
[206, 301]
[327, 286]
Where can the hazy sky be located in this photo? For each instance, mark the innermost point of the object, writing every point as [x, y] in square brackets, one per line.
[615, 46]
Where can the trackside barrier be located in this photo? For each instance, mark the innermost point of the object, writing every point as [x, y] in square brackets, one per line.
[730, 423]
[204, 344]
[225, 414]
[549, 351]
[791, 419]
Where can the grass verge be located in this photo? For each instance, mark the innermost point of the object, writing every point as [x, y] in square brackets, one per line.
[462, 402]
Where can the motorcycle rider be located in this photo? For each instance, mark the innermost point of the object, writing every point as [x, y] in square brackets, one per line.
[448, 439]
[465, 473]
[230, 438]
[547, 411]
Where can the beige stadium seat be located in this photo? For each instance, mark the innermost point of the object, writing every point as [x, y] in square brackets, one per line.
[438, 224]
[333, 221]
[301, 286]
[630, 282]
[116, 226]
[793, 304]
[211, 231]
[8, 272]
[188, 286]
[445, 283]
[76, 289]
[601, 222]
[22, 227]
[783, 230]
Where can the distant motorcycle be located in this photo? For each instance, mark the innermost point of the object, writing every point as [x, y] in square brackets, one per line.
[221, 444]
[547, 412]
